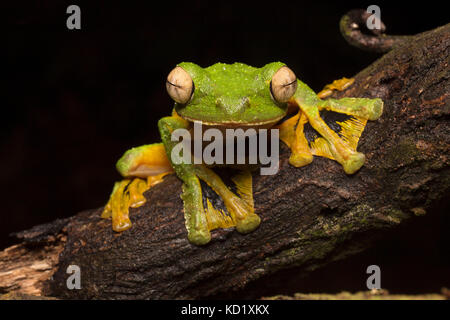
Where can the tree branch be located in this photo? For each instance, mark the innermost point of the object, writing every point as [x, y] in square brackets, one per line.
[352, 25]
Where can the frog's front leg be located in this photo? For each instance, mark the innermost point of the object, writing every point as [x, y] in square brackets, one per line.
[195, 217]
[197, 224]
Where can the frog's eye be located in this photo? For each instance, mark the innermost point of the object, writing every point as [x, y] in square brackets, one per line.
[283, 84]
[179, 85]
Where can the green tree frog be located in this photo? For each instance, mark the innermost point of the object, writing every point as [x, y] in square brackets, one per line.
[239, 96]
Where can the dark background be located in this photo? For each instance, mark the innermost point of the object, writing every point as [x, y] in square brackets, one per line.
[77, 99]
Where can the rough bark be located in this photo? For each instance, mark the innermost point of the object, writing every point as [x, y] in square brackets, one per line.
[352, 25]
[311, 216]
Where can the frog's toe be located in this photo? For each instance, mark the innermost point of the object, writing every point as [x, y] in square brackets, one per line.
[248, 224]
[339, 85]
[376, 109]
[243, 213]
[137, 200]
[199, 237]
[300, 159]
[126, 194]
[136, 191]
[107, 211]
[121, 224]
[354, 162]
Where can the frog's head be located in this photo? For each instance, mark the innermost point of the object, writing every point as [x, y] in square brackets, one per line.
[231, 94]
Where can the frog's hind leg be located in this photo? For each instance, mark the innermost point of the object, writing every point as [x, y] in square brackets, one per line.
[339, 149]
[365, 108]
[348, 118]
[339, 142]
[368, 109]
[337, 138]
[143, 167]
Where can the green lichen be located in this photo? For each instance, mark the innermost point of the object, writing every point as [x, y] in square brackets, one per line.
[328, 232]
[419, 211]
[396, 215]
[402, 154]
[333, 230]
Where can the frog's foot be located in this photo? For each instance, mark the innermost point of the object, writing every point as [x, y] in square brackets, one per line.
[237, 209]
[209, 204]
[339, 85]
[334, 128]
[144, 167]
[343, 139]
[128, 193]
[323, 141]
[338, 143]
[118, 206]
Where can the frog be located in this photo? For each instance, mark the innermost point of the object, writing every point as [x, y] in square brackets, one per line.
[239, 96]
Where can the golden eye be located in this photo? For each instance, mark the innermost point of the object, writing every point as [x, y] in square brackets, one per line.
[283, 84]
[179, 85]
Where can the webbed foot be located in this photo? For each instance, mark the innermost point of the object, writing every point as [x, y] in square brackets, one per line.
[118, 205]
[128, 193]
[143, 167]
[238, 204]
[334, 126]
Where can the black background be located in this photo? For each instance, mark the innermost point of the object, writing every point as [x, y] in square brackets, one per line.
[77, 99]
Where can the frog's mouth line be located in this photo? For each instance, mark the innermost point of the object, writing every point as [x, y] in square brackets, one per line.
[235, 124]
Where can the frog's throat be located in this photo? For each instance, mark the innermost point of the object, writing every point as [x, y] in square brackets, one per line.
[237, 124]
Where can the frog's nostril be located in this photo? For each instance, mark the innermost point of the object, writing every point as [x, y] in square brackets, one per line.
[232, 105]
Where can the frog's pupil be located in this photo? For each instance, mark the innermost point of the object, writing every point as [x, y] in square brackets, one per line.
[271, 91]
[193, 88]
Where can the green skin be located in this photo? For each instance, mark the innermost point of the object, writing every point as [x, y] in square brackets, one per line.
[238, 95]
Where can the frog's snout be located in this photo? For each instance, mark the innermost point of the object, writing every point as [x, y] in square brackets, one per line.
[231, 105]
